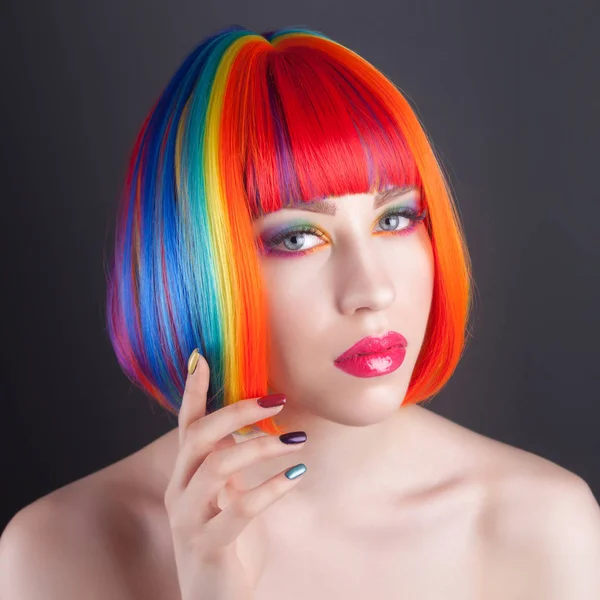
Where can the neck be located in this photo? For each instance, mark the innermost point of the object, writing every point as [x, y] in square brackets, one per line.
[348, 463]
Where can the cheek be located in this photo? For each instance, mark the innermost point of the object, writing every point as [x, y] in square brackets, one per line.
[293, 301]
[421, 274]
[414, 287]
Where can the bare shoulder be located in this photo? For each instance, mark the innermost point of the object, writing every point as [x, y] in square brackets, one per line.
[530, 494]
[84, 540]
[510, 471]
[539, 526]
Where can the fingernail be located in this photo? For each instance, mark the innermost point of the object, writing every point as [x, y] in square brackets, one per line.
[193, 361]
[271, 400]
[293, 437]
[296, 471]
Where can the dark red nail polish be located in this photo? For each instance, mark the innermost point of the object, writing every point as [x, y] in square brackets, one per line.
[271, 400]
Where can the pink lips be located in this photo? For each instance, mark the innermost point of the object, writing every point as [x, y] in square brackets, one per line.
[373, 356]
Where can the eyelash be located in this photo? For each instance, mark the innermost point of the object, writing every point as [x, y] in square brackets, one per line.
[412, 215]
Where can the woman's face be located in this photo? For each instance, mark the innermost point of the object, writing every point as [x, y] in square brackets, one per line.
[366, 272]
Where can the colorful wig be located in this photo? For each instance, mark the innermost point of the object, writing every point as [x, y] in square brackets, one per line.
[249, 124]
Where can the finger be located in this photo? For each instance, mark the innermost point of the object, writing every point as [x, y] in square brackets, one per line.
[226, 526]
[233, 417]
[205, 433]
[193, 403]
[223, 465]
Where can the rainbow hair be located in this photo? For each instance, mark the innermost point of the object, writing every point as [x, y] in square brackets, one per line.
[249, 124]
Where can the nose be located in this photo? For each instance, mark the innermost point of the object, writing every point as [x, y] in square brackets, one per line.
[363, 280]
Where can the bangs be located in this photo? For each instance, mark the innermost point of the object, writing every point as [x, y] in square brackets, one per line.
[311, 128]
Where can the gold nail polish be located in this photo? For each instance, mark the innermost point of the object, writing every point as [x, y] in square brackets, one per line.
[193, 361]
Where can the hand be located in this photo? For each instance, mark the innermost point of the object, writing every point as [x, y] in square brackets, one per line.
[204, 536]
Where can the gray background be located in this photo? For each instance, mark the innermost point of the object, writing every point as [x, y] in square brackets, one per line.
[507, 91]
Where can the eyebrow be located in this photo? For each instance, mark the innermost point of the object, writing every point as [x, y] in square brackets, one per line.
[328, 208]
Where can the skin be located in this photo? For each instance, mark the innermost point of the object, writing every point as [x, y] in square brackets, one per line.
[356, 284]
[396, 500]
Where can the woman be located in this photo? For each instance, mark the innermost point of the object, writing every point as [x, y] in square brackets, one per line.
[286, 233]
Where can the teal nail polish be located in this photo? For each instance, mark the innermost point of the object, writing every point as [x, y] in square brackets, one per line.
[295, 471]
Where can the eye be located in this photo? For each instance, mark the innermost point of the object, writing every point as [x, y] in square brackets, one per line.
[296, 241]
[394, 218]
[392, 221]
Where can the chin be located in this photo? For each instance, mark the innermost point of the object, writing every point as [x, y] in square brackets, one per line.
[363, 418]
[359, 406]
